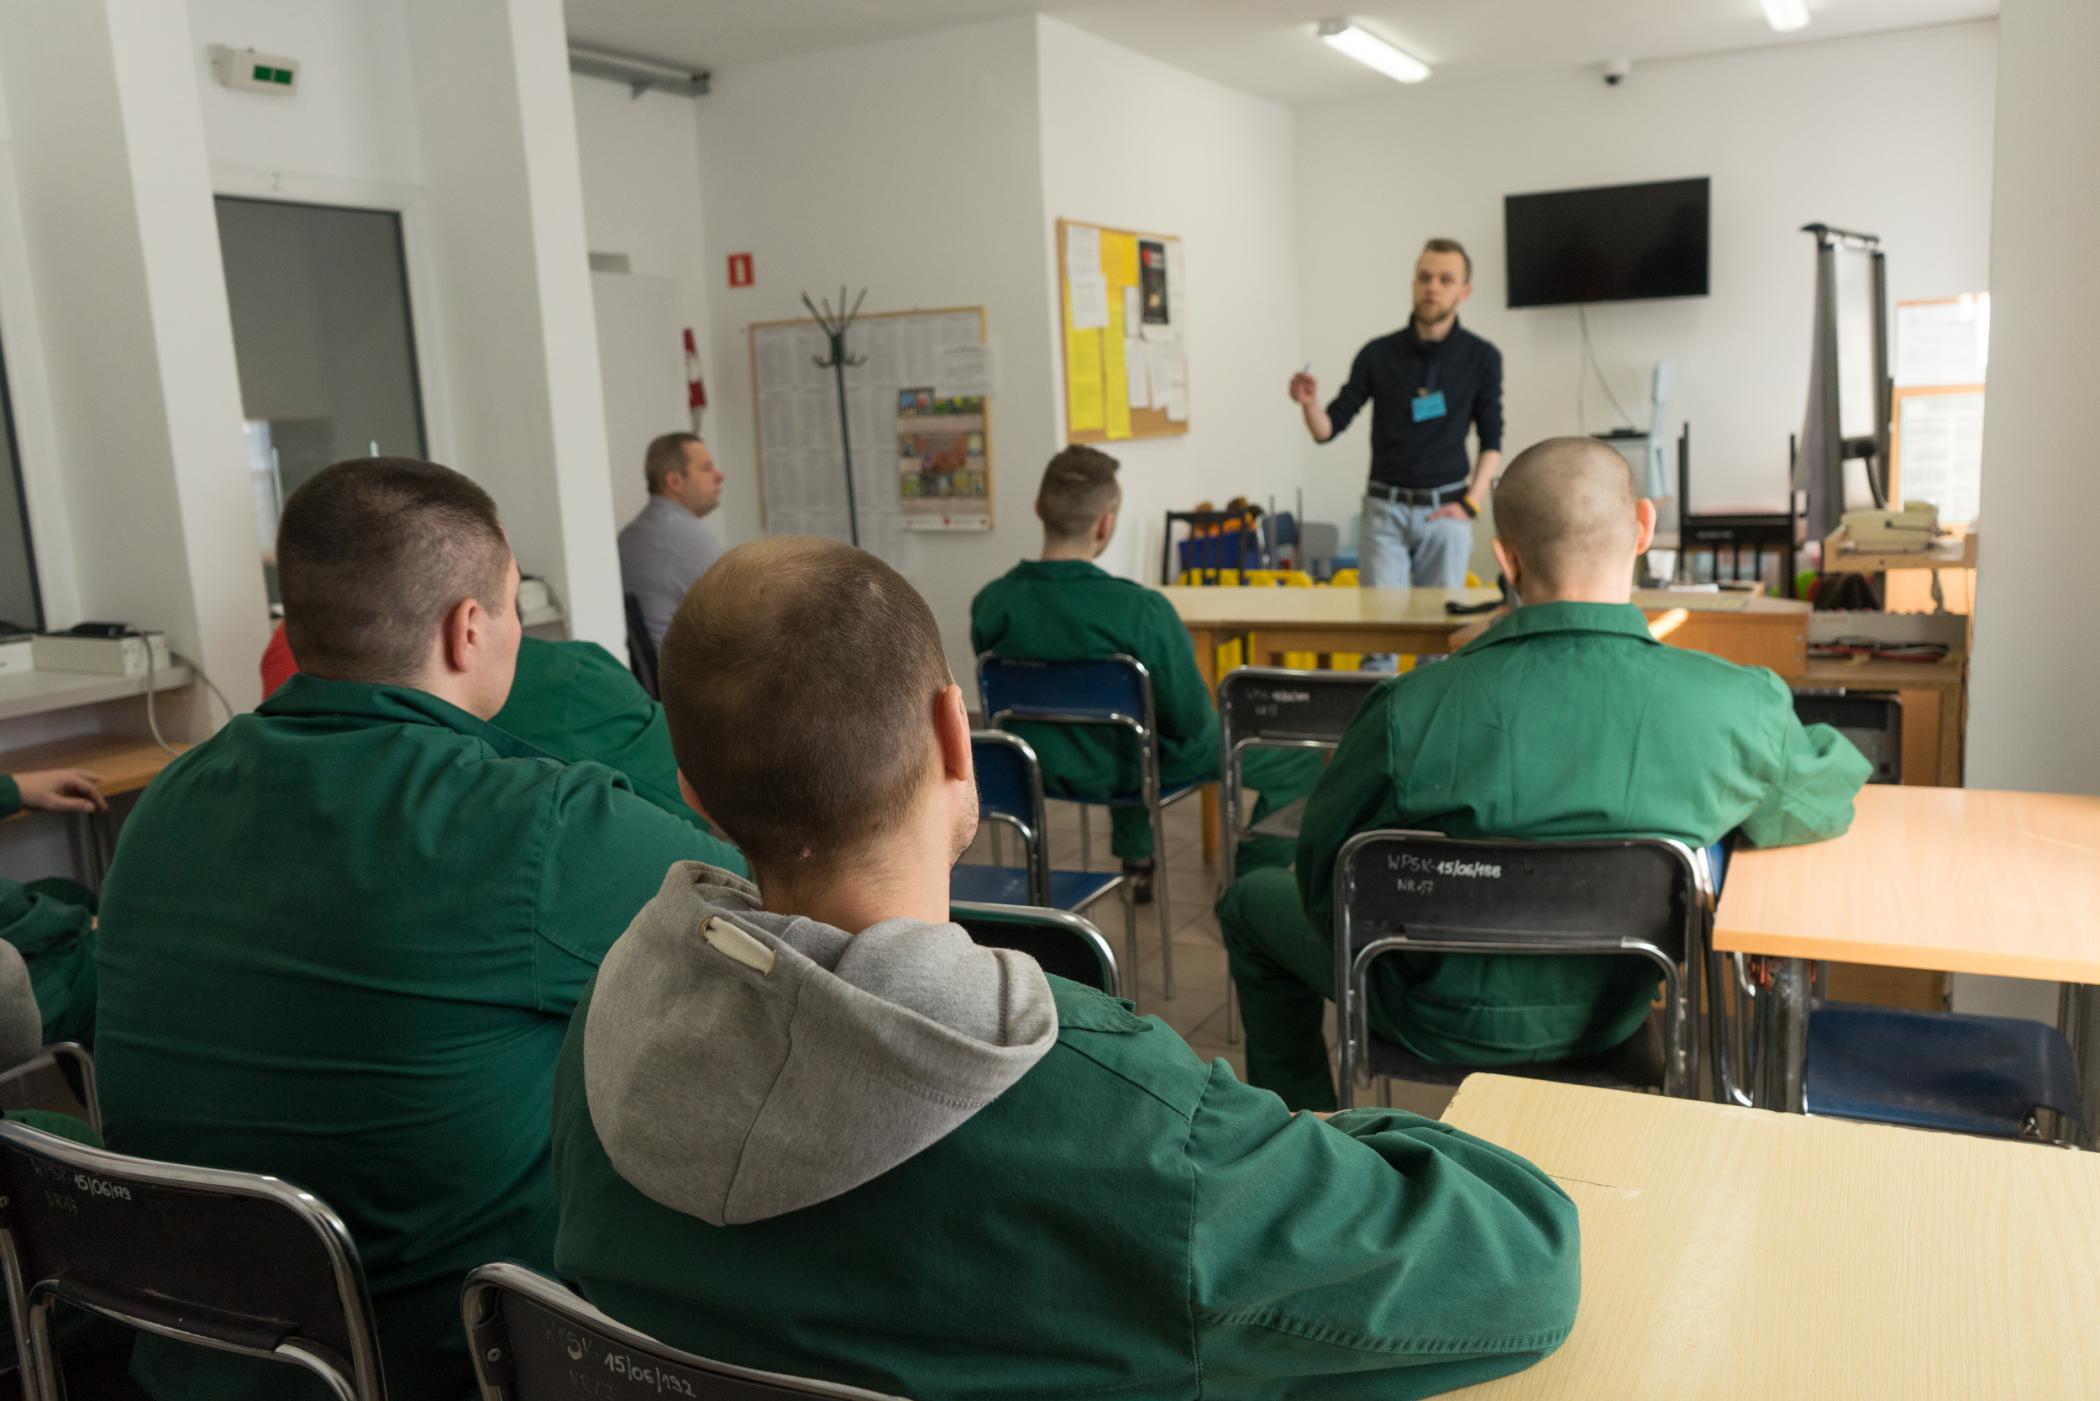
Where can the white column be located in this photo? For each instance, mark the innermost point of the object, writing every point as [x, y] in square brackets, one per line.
[137, 347]
[505, 203]
[2035, 687]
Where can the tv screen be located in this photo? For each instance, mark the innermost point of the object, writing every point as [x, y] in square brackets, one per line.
[1614, 243]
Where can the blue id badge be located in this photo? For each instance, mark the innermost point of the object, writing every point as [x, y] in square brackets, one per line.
[1428, 406]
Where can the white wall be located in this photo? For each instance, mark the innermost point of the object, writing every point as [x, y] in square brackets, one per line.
[641, 198]
[911, 168]
[1131, 142]
[1890, 134]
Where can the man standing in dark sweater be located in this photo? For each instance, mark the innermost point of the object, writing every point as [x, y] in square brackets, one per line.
[1427, 384]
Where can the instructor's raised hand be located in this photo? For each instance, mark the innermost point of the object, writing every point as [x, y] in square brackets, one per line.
[1305, 390]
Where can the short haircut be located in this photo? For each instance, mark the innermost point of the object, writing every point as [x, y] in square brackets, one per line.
[372, 554]
[1079, 485]
[798, 680]
[1450, 245]
[1567, 504]
[666, 455]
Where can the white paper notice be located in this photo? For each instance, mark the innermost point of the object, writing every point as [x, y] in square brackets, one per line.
[964, 372]
[1082, 251]
[1090, 302]
[1133, 310]
[1940, 452]
[1137, 372]
[1171, 389]
[1942, 343]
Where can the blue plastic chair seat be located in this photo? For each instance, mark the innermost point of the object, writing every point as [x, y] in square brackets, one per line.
[991, 885]
[1936, 1070]
[1075, 890]
[1071, 891]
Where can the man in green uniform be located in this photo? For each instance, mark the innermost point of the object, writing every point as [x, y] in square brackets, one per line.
[1064, 607]
[51, 922]
[809, 1126]
[342, 938]
[1566, 719]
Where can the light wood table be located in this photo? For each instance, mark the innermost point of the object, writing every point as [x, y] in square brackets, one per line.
[1733, 1254]
[123, 765]
[1952, 880]
[1935, 706]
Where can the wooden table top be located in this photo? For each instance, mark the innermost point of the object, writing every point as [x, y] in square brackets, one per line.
[1733, 1253]
[1951, 880]
[125, 765]
[1250, 608]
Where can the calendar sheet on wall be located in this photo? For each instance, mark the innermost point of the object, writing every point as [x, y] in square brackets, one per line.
[918, 406]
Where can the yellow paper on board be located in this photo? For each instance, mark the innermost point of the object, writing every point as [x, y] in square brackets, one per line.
[1083, 398]
[1119, 259]
[1115, 371]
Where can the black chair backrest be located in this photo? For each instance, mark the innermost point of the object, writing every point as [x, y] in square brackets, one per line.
[1872, 721]
[1449, 890]
[1270, 704]
[534, 1340]
[226, 1260]
[641, 652]
[1063, 943]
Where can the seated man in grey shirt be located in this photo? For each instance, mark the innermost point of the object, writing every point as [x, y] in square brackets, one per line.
[667, 547]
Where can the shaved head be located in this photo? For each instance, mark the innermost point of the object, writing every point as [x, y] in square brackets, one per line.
[1567, 509]
[799, 679]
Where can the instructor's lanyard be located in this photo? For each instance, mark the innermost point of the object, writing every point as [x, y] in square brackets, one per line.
[1429, 400]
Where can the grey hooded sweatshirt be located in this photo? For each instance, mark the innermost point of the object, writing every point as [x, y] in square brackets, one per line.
[740, 1065]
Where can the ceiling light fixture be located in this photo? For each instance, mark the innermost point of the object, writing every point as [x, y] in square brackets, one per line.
[1373, 52]
[1786, 15]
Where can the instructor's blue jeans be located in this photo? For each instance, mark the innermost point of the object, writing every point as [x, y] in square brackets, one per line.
[1398, 546]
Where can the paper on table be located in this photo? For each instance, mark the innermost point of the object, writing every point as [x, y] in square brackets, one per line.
[1082, 251]
[1084, 410]
[964, 371]
[1137, 368]
[1089, 302]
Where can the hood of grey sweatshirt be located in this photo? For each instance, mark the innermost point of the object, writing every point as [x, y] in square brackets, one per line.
[740, 1065]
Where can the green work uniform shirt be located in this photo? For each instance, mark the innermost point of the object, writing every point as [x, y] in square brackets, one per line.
[1564, 720]
[573, 700]
[51, 923]
[1126, 1221]
[340, 944]
[1070, 610]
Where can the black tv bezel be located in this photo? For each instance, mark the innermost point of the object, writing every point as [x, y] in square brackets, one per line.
[1705, 182]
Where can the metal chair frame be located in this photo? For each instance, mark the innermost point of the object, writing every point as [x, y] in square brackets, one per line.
[1078, 926]
[1146, 729]
[1035, 844]
[1352, 964]
[488, 1337]
[1235, 745]
[358, 1377]
[57, 1056]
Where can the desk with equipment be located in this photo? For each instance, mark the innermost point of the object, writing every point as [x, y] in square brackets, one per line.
[1952, 880]
[1728, 1254]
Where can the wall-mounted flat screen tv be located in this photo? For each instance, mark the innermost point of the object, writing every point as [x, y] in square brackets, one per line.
[1612, 243]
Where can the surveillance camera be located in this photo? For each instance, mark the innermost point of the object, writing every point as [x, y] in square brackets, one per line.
[1617, 71]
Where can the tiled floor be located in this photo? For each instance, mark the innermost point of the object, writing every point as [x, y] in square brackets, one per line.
[1197, 1009]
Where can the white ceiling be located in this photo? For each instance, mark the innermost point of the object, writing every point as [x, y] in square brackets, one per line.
[1260, 46]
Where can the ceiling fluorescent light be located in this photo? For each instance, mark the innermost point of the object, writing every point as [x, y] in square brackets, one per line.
[1374, 52]
[1786, 15]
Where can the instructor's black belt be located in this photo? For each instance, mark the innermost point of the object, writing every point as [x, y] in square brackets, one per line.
[1416, 496]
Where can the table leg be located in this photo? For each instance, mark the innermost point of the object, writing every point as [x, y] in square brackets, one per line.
[1206, 645]
[1782, 1035]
